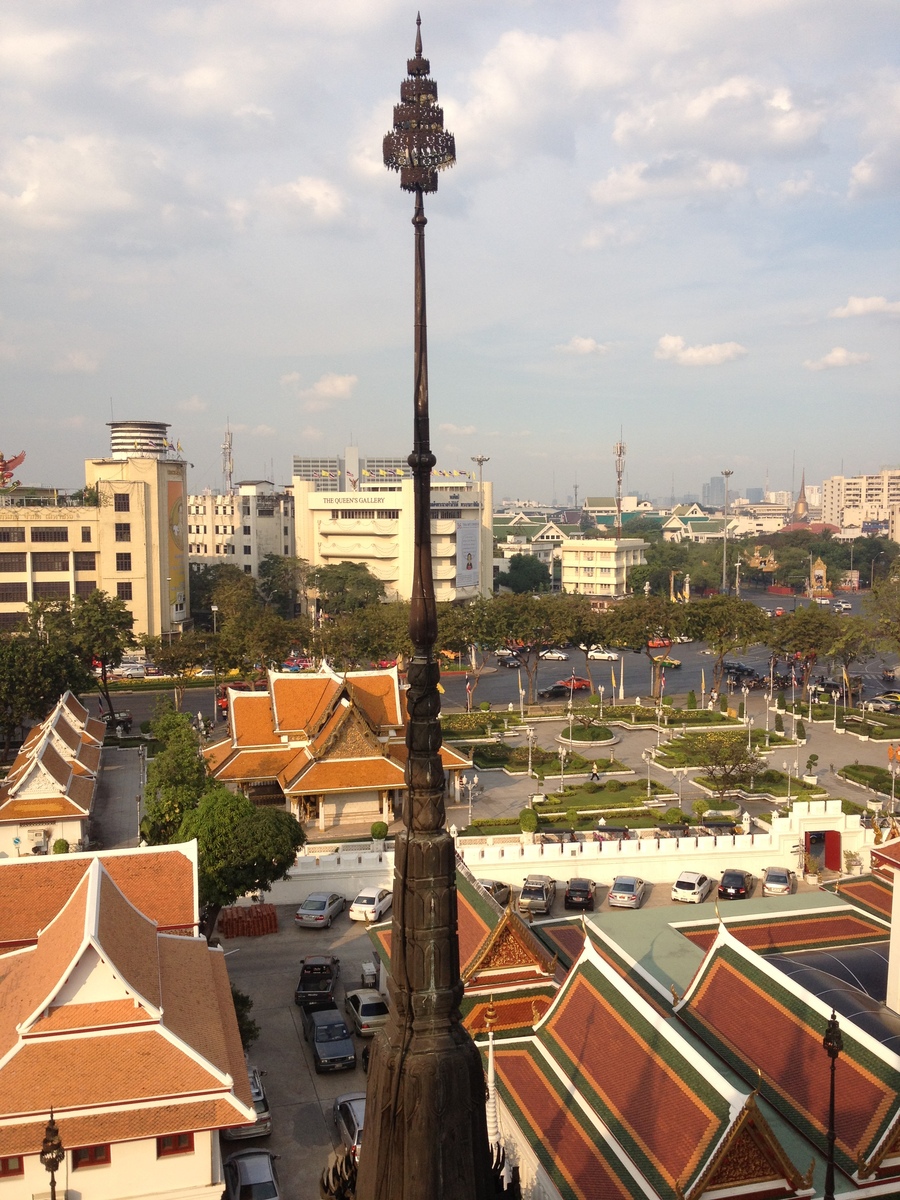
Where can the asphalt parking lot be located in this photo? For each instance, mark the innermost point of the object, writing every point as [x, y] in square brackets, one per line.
[267, 969]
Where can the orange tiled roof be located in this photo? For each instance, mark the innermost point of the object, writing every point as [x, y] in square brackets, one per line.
[258, 764]
[451, 758]
[348, 774]
[301, 700]
[99, 1015]
[75, 707]
[377, 693]
[129, 941]
[252, 721]
[40, 809]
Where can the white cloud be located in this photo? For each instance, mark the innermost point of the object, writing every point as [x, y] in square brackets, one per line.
[582, 345]
[262, 431]
[449, 427]
[668, 178]
[878, 171]
[673, 348]
[862, 306]
[838, 357]
[326, 391]
[193, 404]
[54, 184]
[307, 196]
[76, 362]
[310, 434]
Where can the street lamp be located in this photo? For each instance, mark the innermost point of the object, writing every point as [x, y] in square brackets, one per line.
[563, 755]
[647, 756]
[833, 1043]
[531, 736]
[893, 768]
[679, 773]
[521, 695]
[470, 785]
[750, 724]
[872, 572]
[52, 1152]
[601, 689]
[745, 692]
[789, 767]
[214, 609]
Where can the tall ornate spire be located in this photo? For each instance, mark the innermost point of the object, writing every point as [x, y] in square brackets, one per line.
[426, 1131]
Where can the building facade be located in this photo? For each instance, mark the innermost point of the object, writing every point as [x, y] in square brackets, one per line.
[599, 568]
[369, 519]
[863, 503]
[125, 536]
[241, 527]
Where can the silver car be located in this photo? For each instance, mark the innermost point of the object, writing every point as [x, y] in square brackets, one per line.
[251, 1173]
[366, 1010]
[627, 891]
[349, 1115]
[319, 909]
[778, 881]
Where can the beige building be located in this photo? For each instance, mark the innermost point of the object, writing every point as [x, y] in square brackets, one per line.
[374, 525]
[128, 541]
[854, 502]
[599, 567]
[241, 527]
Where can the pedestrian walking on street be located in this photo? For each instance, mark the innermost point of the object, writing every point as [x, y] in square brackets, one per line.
[595, 776]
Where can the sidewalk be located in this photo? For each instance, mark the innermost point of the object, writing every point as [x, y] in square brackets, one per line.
[115, 815]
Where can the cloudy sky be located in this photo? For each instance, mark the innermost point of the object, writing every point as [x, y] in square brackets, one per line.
[673, 217]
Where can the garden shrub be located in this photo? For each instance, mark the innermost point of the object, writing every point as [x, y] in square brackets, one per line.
[614, 785]
[674, 816]
[485, 706]
[572, 816]
[781, 702]
[692, 699]
[723, 704]
[741, 711]
[594, 699]
[60, 846]
[379, 831]
[591, 788]
[528, 820]
[779, 722]
[801, 730]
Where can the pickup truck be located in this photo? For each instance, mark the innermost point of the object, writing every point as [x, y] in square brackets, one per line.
[537, 895]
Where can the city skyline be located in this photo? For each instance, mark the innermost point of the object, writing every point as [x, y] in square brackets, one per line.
[659, 222]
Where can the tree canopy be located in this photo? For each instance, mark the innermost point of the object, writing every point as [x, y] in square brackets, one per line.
[525, 573]
[345, 587]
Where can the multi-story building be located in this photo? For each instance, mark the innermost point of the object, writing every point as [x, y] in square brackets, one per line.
[124, 534]
[241, 527]
[599, 567]
[857, 501]
[366, 515]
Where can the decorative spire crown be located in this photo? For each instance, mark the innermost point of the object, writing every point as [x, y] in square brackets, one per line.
[419, 146]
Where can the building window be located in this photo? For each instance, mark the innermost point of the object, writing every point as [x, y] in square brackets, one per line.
[174, 1143]
[123, 531]
[85, 587]
[246, 531]
[13, 593]
[50, 533]
[90, 1156]
[248, 570]
[12, 562]
[12, 535]
[123, 562]
[123, 591]
[10, 622]
[85, 533]
[248, 549]
[50, 562]
[122, 502]
[51, 591]
[85, 560]
[12, 1165]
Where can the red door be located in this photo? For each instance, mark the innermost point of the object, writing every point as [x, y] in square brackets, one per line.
[832, 850]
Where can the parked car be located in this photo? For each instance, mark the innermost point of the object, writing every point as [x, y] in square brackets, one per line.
[512, 663]
[844, 606]
[367, 1011]
[371, 904]
[537, 894]
[777, 881]
[735, 884]
[575, 684]
[580, 894]
[263, 1124]
[737, 668]
[319, 909]
[691, 887]
[627, 891]
[496, 888]
[554, 655]
[349, 1115]
[251, 1173]
[601, 654]
[130, 671]
[665, 660]
[880, 704]
[319, 974]
[122, 719]
[557, 691]
[327, 1033]
[503, 652]
[895, 696]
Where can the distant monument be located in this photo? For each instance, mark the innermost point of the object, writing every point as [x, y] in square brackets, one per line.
[800, 515]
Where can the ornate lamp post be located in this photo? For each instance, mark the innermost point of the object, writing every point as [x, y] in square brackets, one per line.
[601, 689]
[426, 1132]
[563, 755]
[647, 756]
[833, 1043]
[531, 735]
[52, 1152]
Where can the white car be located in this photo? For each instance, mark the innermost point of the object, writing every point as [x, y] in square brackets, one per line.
[599, 652]
[554, 655]
[504, 652]
[691, 887]
[371, 904]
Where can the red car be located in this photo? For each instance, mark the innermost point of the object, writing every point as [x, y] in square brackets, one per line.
[575, 684]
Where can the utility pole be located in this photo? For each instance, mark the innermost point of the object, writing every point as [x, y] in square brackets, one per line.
[727, 475]
[619, 451]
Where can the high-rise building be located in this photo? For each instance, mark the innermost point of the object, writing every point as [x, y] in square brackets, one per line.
[241, 527]
[714, 492]
[124, 534]
[858, 500]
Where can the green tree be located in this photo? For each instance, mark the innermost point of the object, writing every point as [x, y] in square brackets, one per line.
[345, 587]
[247, 1027]
[180, 657]
[283, 581]
[852, 641]
[241, 848]
[177, 776]
[525, 573]
[726, 761]
[728, 624]
[102, 628]
[639, 620]
[882, 607]
[205, 579]
[34, 673]
[527, 624]
[804, 636]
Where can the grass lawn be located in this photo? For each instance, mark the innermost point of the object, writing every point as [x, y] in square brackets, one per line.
[543, 762]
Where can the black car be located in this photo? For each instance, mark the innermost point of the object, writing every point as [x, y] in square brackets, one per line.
[319, 974]
[737, 668]
[512, 663]
[735, 884]
[332, 1046]
[118, 720]
[580, 894]
[558, 691]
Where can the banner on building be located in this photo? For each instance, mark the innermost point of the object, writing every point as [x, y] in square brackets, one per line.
[467, 557]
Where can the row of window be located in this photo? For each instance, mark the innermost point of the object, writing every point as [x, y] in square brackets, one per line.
[13, 564]
[17, 593]
[60, 533]
[101, 1156]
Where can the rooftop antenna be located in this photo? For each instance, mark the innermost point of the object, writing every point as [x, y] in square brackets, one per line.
[228, 462]
[575, 487]
[619, 451]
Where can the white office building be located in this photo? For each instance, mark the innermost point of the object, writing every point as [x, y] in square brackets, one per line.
[240, 527]
[862, 503]
[599, 567]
